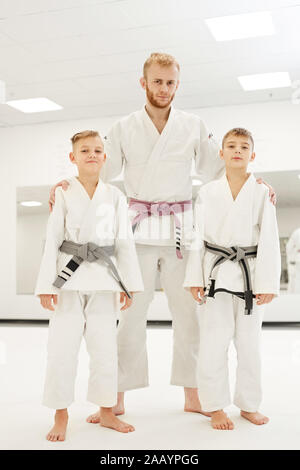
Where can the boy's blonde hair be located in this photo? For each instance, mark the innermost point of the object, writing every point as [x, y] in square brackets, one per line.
[160, 58]
[238, 131]
[83, 135]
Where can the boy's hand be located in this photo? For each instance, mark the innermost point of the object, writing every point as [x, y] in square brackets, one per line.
[64, 184]
[47, 299]
[197, 293]
[127, 301]
[264, 298]
[272, 193]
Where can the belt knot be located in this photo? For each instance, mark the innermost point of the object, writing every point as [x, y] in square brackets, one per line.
[240, 254]
[86, 252]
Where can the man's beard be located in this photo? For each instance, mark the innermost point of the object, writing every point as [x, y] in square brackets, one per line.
[154, 102]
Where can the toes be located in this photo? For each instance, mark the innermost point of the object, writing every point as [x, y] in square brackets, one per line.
[93, 419]
[126, 428]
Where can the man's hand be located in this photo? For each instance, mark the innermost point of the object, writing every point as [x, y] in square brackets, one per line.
[47, 299]
[64, 184]
[126, 300]
[264, 298]
[272, 193]
[197, 293]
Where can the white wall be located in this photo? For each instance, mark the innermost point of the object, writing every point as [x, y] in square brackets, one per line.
[37, 155]
[31, 231]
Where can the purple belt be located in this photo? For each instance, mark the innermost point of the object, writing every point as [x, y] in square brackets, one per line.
[145, 209]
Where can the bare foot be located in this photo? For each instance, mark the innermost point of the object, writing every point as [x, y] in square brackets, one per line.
[109, 420]
[118, 410]
[255, 418]
[58, 432]
[192, 403]
[220, 420]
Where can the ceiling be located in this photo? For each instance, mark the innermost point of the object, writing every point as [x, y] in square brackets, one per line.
[87, 55]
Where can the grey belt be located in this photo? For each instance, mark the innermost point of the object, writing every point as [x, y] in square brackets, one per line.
[235, 254]
[87, 252]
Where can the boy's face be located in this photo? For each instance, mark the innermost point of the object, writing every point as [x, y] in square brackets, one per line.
[88, 154]
[237, 151]
[161, 84]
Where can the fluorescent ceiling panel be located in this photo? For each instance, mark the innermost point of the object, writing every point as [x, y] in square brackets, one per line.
[228, 28]
[264, 81]
[34, 105]
[30, 203]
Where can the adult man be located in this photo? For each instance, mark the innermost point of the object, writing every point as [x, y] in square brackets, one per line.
[157, 146]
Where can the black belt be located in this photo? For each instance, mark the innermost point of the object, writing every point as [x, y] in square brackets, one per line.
[234, 254]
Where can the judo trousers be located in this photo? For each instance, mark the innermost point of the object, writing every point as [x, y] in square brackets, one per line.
[132, 350]
[78, 314]
[222, 320]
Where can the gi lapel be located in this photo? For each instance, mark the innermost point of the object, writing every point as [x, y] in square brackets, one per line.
[88, 223]
[147, 181]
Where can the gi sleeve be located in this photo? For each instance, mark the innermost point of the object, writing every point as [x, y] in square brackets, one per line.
[268, 261]
[125, 251]
[114, 154]
[208, 163]
[194, 274]
[54, 238]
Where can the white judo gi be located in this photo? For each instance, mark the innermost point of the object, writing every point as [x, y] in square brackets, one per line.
[293, 262]
[87, 302]
[249, 220]
[157, 167]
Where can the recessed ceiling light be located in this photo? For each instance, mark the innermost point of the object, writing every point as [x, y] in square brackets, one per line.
[34, 105]
[196, 182]
[263, 81]
[30, 203]
[228, 28]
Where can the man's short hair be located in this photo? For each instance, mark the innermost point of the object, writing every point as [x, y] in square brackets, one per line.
[162, 59]
[238, 131]
[83, 135]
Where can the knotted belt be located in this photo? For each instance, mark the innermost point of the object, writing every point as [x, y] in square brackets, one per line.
[237, 255]
[87, 252]
[145, 209]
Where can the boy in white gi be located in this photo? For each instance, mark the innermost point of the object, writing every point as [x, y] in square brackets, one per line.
[234, 259]
[89, 256]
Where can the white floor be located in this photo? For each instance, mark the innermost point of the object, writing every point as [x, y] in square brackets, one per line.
[156, 412]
